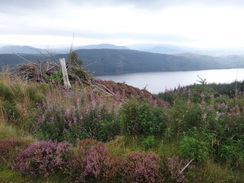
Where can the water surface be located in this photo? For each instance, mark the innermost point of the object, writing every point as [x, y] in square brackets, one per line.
[156, 82]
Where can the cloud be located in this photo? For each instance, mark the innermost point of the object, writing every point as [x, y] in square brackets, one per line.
[146, 20]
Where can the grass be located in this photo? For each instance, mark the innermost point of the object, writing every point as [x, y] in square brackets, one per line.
[9, 131]
[10, 176]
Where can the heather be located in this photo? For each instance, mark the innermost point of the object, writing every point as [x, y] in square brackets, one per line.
[115, 134]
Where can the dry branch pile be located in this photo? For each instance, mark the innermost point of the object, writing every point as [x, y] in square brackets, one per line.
[39, 71]
[36, 72]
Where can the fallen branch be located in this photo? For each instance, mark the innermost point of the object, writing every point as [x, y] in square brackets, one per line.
[186, 165]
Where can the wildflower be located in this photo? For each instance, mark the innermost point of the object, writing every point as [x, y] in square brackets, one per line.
[166, 91]
[189, 91]
[75, 119]
[179, 86]
[51, 118]
[202, 94]
[184, 89]
[65, 131]
[212, 96]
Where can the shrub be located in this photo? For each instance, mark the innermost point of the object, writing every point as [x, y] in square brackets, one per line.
[92, 161]
[138, 167]
[56, 123]
[194, 148]
[100, 124]
[43, 158]
[142, 118]
[149, 142]
[232, 152]
[192, 118]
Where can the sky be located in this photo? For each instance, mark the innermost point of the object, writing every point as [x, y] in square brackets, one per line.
[60, 23]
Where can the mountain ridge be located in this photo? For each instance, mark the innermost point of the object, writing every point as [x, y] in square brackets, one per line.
[122, 61]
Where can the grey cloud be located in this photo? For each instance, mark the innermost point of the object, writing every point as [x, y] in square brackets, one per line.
[36, 4]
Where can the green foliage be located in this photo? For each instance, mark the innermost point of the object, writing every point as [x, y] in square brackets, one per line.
[56, 77]
[194, 148]
[142, 118]
[232, 152]
[192, 118]
[149, 142]
[57, 124]
[73, 59]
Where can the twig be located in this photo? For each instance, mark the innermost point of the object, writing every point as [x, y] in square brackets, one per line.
[186, 165]
[22, 57]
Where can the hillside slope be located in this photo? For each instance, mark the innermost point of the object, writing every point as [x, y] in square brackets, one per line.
[120, 61]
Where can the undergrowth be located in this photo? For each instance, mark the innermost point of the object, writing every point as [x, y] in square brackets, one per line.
[46, 131]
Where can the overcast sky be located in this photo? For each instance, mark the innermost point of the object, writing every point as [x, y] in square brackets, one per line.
[51, 23]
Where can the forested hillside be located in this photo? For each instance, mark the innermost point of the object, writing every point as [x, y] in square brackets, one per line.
[120, 61]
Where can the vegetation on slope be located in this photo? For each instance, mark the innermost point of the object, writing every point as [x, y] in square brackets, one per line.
[48, 134]
[112, 61]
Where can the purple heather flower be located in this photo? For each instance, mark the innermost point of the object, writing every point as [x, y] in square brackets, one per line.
[184, 89]
[202, 94]
[189, 91]
[166, 91]
[212, 96]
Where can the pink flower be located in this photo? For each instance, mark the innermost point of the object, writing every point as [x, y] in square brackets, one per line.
[179, 86]
[202, 94]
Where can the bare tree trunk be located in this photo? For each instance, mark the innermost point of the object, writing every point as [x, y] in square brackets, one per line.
[67, 84]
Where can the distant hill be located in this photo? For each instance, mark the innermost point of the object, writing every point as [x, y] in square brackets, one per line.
[120, 61]
[102, 46]
[99, 46]
[12, 60]
[110, 61]
[19, 49]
